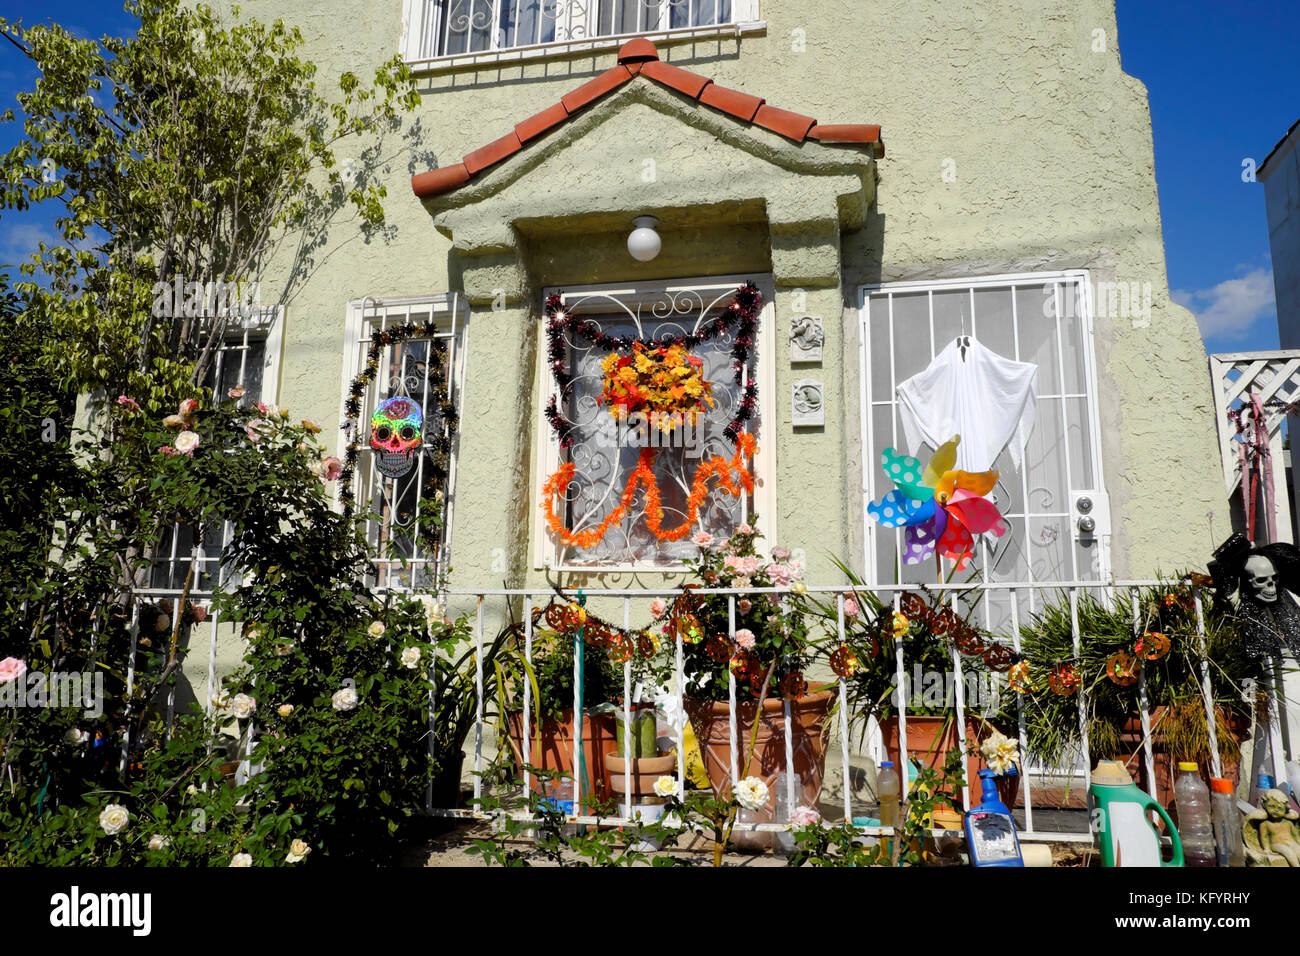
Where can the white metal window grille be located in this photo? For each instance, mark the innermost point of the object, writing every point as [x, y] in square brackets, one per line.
[605, 454]
[466, 29]
[407, 557]
[1039, 318]
[249, 357]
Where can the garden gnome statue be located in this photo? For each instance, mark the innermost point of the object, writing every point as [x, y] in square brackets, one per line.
[1270, 832]
[1266, 578]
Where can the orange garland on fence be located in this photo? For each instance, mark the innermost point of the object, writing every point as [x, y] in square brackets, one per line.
[720, 467]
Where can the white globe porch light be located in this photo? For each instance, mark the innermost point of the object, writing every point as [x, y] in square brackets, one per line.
[643, 242]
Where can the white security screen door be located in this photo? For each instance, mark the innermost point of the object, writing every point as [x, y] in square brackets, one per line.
[1038, 318]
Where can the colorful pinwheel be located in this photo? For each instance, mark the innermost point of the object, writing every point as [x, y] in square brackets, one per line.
[937, 505]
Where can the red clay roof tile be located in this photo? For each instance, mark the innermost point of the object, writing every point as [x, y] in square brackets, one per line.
[594, 89]
[683, 81]
[441, 180]
[637, 51]
[738, 104]
[539, 123]
[793, 126]
[493, 152]
[640, 56]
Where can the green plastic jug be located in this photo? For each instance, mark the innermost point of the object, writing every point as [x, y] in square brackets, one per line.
[1120, 808]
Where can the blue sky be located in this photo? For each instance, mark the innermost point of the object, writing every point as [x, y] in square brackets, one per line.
[1223, 84]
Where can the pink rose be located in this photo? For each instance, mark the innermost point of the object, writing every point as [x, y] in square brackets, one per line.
[331, 468]
[744, 604]
[128, 403]
[851, 608]
[255, 429]
[236, 393]
[188, 408]
[11, 668]
[796, 569]
[166, 450]
[750, 565]
[731, 563]
[200, 613]
[745, 638]
[657, 607]
[745, 529]
[780, 575]
[702, 538]
[780, 554]
[186, 442]
[805, 817]
[264, 408]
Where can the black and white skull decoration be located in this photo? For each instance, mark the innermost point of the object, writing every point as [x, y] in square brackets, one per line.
[1259, 579]
[395, 435]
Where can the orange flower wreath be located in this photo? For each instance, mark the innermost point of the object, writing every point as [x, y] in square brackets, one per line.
[732, 474]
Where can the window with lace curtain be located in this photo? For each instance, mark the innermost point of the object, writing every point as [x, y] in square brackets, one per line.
[605, 451]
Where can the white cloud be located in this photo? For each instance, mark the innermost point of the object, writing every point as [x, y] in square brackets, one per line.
[1231, 308]
[21, 240]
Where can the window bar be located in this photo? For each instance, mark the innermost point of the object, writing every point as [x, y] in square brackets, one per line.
[1020, 715]
[433, 723]
[446, 30]
[1065, 422]
[1144, 712]
[628, 751]
[478, 703]
[731, 688]
[1024, 480]
[789, 752]
[893, 424]
[1276, 716]
[130, 680]
[577, 723]
[1082, 708]
[1207, 694]
[496, 31]
[527, 740]
[904, 772]
[844, 717]
[212, 660]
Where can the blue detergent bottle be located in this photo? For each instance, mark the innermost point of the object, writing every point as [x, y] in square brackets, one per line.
[991, 830]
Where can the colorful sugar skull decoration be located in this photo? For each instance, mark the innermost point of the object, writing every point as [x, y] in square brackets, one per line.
[395, 436]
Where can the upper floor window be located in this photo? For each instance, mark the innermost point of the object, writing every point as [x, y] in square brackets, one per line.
[464, 28]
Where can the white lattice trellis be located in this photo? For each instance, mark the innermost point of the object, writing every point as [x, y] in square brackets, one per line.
[1275, 376]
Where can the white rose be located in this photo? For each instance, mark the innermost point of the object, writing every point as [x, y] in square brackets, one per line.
[221, 700]
[345, 699]
[751, 793]
[434, 612]
[241, 860]
[191, 789]
[186, 442]
[158, 841]
[75, 737]
[666, 786]
[243, 706]
[113, 818]
[283, 650]
[410, 657]
[298, 851]
[285, 710]
[376, 629]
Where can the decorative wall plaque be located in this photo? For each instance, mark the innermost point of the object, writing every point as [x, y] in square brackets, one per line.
[806, 338]
[808, 403]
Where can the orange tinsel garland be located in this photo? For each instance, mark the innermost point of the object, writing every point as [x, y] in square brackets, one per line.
[722, 468]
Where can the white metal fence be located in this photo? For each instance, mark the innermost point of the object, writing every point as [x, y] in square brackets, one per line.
[490, 607]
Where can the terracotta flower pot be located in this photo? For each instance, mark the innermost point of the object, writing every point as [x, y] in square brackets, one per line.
[1133, 754]
[645, 771]
[808, 735]
[555, 751]
[929, 739]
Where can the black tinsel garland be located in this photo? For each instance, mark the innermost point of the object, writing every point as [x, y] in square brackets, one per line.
[741, 315]
[437, 464]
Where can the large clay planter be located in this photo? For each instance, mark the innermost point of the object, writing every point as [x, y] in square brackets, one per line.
[929, 739]
[808, 735]
[556, 748]
[645, 771]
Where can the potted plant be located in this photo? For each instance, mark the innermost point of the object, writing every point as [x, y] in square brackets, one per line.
[1167, 651]
[768, 658]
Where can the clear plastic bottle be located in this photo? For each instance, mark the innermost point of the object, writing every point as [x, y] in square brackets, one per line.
[1194, 817]
[888, 788]
[1227, 823]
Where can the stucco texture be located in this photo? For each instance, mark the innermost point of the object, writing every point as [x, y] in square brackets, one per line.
[1051, 168]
